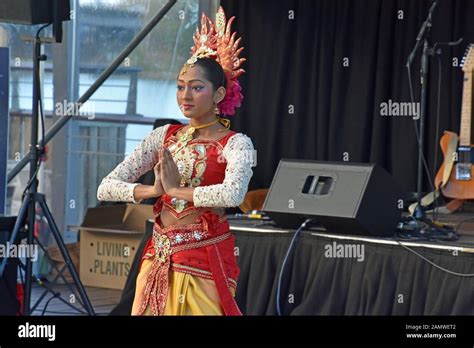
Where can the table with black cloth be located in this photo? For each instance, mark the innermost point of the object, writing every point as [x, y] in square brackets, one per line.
[391, 280]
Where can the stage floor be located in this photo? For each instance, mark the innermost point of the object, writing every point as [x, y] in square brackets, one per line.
[462, 222]
[102, 300]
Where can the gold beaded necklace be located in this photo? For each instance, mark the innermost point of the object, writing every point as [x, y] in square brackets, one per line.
[188, 135]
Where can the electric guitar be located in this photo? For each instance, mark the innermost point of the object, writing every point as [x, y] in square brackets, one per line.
[455, 177]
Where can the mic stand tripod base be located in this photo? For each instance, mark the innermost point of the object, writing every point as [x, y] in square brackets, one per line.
[420, 212]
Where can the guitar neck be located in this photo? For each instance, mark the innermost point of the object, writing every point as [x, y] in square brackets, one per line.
[466, 111]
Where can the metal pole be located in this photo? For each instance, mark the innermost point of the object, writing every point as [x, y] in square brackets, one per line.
[58, 125]
[4, 124]
[33, 167]
[420, 211]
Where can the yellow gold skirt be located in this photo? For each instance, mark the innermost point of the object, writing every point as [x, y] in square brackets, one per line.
[187, 294]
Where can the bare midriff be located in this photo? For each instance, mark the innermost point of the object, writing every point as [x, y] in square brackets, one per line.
[168, 219]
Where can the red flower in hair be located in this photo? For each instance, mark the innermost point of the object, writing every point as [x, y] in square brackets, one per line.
[232, 99]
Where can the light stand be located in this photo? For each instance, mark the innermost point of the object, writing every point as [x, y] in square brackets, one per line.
[27, 211]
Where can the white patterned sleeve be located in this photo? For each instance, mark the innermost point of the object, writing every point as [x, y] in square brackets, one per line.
[119, 184]
[239, 155]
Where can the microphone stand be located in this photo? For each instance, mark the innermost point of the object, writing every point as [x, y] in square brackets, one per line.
[422, 38]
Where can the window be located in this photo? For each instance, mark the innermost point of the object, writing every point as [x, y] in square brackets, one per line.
[118, 115]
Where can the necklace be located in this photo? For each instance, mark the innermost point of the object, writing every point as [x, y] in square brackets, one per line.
[204, 125]
[188, 135]
[185, 160]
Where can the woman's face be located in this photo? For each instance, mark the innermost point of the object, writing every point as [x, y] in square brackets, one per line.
[195, 93]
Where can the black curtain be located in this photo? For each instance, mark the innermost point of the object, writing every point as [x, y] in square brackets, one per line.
[300, 63]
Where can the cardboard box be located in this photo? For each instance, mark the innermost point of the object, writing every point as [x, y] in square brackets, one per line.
[109, 237]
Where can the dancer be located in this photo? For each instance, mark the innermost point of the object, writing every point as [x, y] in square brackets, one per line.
[189, 265]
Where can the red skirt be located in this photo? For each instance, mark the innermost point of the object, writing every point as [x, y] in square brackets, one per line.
[204, 249]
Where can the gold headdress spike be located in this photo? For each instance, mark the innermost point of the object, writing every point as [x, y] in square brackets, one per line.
[228, 50]
[216, 41]
[205, 42]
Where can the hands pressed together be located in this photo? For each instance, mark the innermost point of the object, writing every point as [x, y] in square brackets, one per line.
[167, 177]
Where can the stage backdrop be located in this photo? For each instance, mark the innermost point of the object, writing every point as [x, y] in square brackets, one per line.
[317, 77]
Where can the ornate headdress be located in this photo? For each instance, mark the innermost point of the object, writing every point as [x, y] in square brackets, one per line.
[217, 43]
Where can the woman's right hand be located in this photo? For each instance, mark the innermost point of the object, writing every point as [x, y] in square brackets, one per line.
[158, 187]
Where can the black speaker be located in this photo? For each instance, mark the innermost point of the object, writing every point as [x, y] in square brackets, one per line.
[9, 305]
[345, 198]
[33, 11]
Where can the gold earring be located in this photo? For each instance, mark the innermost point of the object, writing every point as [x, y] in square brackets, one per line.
[216, 110]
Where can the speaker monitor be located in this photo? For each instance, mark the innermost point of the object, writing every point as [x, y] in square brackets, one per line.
[33, 11]
[344, 198]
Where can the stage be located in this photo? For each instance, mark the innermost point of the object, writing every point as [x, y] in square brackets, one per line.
[390, 277]
[389, 280]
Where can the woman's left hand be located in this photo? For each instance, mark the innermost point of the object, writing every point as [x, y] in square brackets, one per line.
[170, 177]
